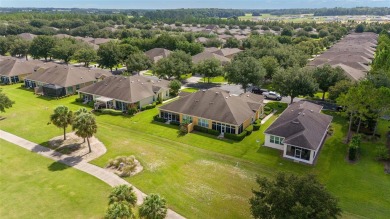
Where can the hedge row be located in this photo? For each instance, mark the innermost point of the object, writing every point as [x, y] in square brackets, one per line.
[206, 130]
[354, 147]
[110, 111]
[257, 125]
[235, 137]
[150, 106]
[249, 130]
[157, 118]
[174, 123]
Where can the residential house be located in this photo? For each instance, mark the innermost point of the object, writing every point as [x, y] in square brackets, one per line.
[122, 93]
[299, 131]
[27, 36]
[157, 54]
[228, 52]
[13, 70]
[208, 55]
[215, 109]
[61, 80]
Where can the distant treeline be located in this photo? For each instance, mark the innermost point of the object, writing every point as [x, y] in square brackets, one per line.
[211, 12]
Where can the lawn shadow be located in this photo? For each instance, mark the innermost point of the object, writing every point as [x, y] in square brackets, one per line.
[57, 166]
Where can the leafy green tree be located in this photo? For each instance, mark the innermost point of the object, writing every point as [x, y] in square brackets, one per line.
[20, 47]
[126, 50]
[232, 43]
[123, 193]
[360, 28]
[323, 33]
[119, 210]
[4, 45]
[294, 82]
[271, 65]
[85, 126]
[41, 47]
[62, 117]
[326, 76]
[175, 86]
[213, 42]
[5, 102]
[176, 64]
[191, 48]
[245, 72]
[109, 55]
[291, 196]
[341, 87]
[154, 207]
[357, 102]
[137, 62]
[64, 49]
[86, 55]
[209, 68]
[287, 31]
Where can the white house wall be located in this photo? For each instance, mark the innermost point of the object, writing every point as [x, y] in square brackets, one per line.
[146, 101]
[272, 145]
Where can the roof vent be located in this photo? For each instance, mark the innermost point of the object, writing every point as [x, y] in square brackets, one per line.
[216, 93]
[312, 111]
[303, 114]
[211, 102]
[131, 81]
[142, 83]
[295, 122]
[196, 100]
[299, 113]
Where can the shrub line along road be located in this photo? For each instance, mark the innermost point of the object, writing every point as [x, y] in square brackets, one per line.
[108, 177]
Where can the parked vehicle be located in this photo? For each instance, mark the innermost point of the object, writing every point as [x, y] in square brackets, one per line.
[257, 90]
[272, 95]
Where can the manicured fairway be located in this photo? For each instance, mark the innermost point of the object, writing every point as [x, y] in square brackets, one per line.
[32, 186]
[203, 177]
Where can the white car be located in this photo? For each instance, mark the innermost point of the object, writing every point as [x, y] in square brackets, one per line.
[272, 95]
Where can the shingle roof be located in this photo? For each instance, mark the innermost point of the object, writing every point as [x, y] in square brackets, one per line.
[157, 54]
[128, 89]
[208, 55]
[301, 124]
[66, 76]
[27, 36]
[14, 67]
[353, 53]
[217, 105]
[227, 51]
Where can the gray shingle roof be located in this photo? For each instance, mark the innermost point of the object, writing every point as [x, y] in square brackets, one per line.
[128, 89]
[227, 51]
[208, 55]
[66, 76]
[301, 124]
[14, 67]
[217, 105]
[353, 54]
[157, 54]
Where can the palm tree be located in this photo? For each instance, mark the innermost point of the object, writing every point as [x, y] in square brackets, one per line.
[154, 207]
[76, 114]
[119, 210]
[123, 193]
[85, 126]
[62, 117]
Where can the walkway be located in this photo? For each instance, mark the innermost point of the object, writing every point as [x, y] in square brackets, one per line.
[100, 173]
[268, 117]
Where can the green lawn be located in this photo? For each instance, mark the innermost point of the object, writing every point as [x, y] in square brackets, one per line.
[219, 79]
[190, 89]
[36, 187]
[198, 173]
[148, 72]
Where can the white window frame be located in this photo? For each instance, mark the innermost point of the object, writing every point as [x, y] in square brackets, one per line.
[276, 140]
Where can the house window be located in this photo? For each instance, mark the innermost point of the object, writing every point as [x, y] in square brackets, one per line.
[77, 86]
[203, 123]
[70, 90]
[187, 118]
[276, 140]
[167, 93]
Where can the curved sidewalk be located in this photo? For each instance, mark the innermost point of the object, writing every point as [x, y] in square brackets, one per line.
[108, 177]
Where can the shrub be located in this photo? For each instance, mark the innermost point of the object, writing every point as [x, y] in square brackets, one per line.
[111, 111]
[382, 152]
[353, 147]
[132, 111]
[267, 110]
[257, 125]
[150, 106]
[174, 123]
[213, 132]
[91, 104]
[157, 118]
[79, 100]
[201, 129]
[183, 129]
[125, 165]
[235, 137]
[249, 130]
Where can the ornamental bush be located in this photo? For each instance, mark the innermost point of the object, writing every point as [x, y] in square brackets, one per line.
[249, 130]
[235, 137]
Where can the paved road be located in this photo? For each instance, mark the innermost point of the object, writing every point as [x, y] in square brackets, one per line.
[108, 177]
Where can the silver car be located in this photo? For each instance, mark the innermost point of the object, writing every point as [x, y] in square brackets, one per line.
[272, 95]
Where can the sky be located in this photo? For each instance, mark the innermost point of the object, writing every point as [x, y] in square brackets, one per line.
[173, 4]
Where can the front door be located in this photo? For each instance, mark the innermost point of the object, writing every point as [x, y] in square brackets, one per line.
[169, 117]
[298, 153]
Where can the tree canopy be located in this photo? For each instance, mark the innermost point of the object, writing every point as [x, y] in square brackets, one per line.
[209, 68]
[175, 65]
[137, 62]
[109, 55]
[326, 76]
[291, 196]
